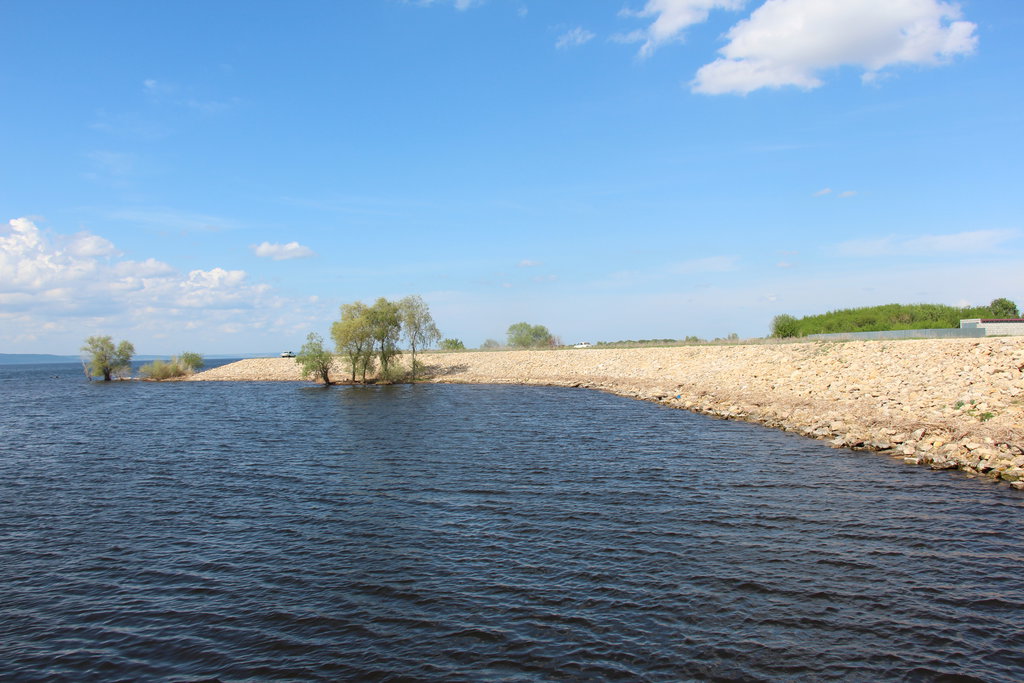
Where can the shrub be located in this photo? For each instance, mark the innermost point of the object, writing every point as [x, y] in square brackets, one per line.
[181, 366]
[452, 345]
[784, 326]
[191, 360]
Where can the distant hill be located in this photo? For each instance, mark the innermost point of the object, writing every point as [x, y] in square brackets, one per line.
[21, 358]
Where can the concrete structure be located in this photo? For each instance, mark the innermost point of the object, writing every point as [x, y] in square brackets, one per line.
[995, 326]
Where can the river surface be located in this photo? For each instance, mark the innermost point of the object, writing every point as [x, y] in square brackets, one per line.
[262, 531]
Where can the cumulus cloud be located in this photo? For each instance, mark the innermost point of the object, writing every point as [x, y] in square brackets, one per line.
[970, 242]
[574, 38]
[282, 252]
[789, 42]
[671, 18]
[49, 277]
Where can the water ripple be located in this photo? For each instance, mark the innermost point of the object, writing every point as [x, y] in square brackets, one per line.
[468, 533]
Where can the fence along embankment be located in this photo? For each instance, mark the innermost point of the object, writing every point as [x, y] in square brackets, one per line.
[946, 403]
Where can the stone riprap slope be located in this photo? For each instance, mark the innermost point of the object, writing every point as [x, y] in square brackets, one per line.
[947, 403]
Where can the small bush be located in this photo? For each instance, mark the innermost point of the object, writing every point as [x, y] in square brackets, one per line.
[394, 374]
[452, 345]
[785, 326]
[181, 366]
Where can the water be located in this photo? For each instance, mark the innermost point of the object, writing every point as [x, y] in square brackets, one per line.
[283, 531]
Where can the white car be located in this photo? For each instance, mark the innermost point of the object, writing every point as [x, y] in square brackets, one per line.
[287, 354]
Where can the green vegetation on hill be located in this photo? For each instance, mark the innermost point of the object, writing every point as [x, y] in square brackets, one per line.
[888, 317]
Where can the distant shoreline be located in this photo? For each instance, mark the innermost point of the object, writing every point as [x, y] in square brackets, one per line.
[945, 403]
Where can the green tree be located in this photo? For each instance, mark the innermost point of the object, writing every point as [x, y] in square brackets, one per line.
[417, 325]
[191, 360]
[453, 345]
[353, 338]
[785, 326]
[314, 359]
[527, 336]
[386, 329]
[1004, 308]
[490, 344]
[106, 359]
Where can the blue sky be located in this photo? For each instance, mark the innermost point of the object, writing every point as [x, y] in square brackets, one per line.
[220, 177]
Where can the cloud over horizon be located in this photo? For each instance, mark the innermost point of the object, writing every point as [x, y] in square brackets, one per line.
[50, 282]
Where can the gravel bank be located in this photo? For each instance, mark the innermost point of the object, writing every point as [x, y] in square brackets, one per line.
[944, 403]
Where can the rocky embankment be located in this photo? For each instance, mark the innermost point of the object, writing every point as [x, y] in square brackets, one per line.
[944, 403]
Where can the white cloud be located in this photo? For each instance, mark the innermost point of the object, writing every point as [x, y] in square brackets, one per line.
[822, 192]
[789, 42]
[82, 281]
[971, 242]
[574, 38]
[672, 17]
[527, 263]
[847, 193]
[282, 252]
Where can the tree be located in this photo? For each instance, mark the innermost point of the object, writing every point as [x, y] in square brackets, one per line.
[1004, 308]
[526, 336]
[491, 344]
[386, 329]
[106, 359]
[453, 345]
[353, 337]
[784, 326]
[315, 359]
[191, 360]
[417, 325]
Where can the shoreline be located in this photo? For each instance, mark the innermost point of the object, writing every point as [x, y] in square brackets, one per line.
[943, 403]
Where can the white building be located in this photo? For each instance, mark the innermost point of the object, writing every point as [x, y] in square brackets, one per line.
[995, 326]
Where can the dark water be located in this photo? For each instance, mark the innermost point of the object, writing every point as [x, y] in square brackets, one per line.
[281, 531]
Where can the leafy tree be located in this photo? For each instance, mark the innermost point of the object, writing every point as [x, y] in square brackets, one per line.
[386, 329]
[784, 326]
[417, 325]
[315, 359]
[526, 336]
[353, 337]
[1004, 308]
[106, 359]
[191, 360]
[453, 345]
[491, 344]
